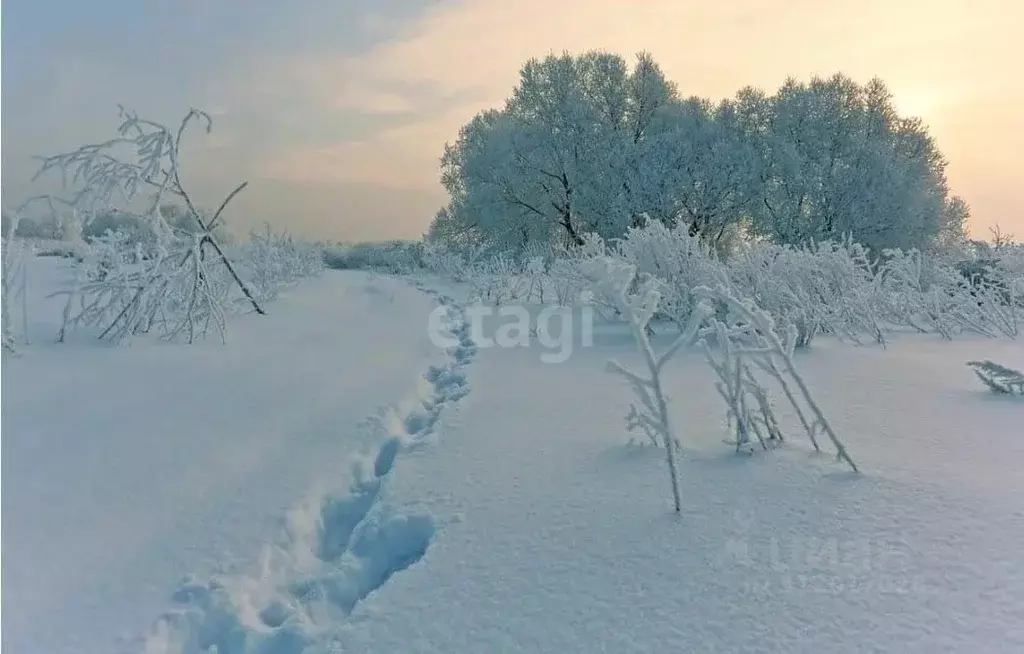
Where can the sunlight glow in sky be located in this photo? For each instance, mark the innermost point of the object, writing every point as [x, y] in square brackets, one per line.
[337, 111]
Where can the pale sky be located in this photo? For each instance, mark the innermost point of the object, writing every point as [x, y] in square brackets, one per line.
[337, 111]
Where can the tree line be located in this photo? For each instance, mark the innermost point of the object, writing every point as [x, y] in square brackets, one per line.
[589, 144]
[59, 226]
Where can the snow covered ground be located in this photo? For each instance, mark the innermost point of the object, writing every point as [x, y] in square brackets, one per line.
[566, 541]
[126, 467]
[477, 499]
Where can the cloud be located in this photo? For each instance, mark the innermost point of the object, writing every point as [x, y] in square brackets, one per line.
[406, 156]
[345, 211]
[368, 100]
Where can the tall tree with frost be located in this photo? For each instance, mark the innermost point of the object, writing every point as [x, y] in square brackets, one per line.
[586, 144]
[836, 158]
[698, 169]
[549, 165]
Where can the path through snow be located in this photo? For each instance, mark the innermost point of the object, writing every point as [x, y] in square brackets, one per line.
[126, 467]
[338, 548]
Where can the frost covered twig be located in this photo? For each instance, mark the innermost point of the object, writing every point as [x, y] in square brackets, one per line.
[13, 284]
[613, 280]
[274, 260]
[771, 350]
[172, 283]
[737, 385]
[13, 278]
[999, 378]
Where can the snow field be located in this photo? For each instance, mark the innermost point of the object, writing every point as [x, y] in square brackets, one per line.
[565, 539]
[516, 517]
[125, 468]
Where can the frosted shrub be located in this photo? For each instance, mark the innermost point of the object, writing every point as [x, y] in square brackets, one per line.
[904, 293]
[126, 295]
[778, 280]
[396, 257]
[273, 261]
[680, 260]
[13, 286]
[999, 378]
[535, 272]
[939, 298]
[821, 287]
[636, 298]
[1010, 261]
[500, 279]
[459, 265]
[846, 289]
[565, 275]
[755, 338]
[826, 287]
[182, 283]
[505, 277]
[565, 281]
[748, 407]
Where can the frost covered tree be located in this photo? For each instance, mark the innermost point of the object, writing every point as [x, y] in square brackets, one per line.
[588, 144]
[698, 170]
[175, 286]
[835, 158]
[550, 165]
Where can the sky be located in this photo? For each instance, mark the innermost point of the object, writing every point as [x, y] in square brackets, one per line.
[337, 112]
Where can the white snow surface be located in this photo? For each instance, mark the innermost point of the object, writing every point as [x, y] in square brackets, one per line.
[567, 542]
[496, 505]
[125, 468]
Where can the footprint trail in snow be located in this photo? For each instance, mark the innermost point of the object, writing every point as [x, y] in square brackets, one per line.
[337, 549]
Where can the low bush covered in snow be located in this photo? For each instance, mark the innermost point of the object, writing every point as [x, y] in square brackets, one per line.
[396, 257]
[836, 288]
[152, 261]
[750, 311]
[999, 378]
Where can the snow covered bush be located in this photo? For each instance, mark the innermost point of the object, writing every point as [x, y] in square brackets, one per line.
[443, 260]
[272, 261]
[564, 275]
[124, 292]
[509, 277]
[999, 379]
[836, 288]
[821, 287]
[637, 297]
[13, 253]
[500, 279]
[936, 297]
[396, 257]
[682, 261]
[752, 336]
[908, 293]
[738, 387]
[181, 282]
[777, 279]
[844, 278]
[1010, 262]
